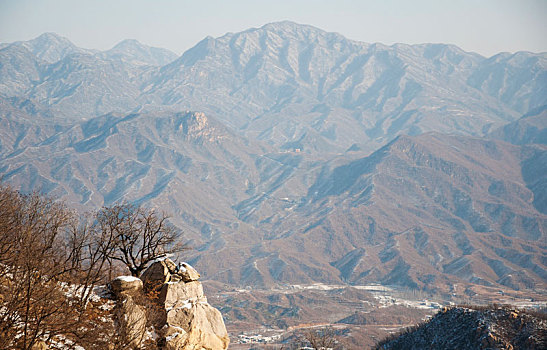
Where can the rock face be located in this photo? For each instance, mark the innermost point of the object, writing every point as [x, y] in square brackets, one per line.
[173, 304]
[475, 328]
[195, 325]
[164, 271]
[130, 311]
[132, 320]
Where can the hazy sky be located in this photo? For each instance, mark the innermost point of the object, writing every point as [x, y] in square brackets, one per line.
[483, 26]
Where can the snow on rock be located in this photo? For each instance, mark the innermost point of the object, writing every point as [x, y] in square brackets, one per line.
[475, 327]
[125, 285]
[161, 258]
[128, 278]
[164, 270]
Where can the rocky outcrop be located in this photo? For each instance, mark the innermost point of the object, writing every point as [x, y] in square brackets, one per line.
[170, 299]
[131, 315]
[164, 271]
[130, 312]
[195, 325]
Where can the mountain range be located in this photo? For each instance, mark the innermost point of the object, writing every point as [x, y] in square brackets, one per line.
[291, 155]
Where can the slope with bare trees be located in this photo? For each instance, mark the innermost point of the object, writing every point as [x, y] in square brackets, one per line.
[52, 263]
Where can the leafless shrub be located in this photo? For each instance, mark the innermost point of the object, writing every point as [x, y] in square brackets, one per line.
[324, 338]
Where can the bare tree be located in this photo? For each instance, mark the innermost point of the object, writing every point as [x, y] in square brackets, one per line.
[31, 266]
[49, 265]
[321, 339]
[140, 235]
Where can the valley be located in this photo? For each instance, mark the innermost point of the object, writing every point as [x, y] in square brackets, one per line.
[360, 315]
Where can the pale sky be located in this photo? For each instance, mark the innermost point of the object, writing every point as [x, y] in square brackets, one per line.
[483, 26]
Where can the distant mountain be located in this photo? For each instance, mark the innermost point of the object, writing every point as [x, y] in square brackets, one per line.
[530, 128]
[297, 85]
[51, 72]
[112, 157]
[518, 80]
[422, 211]
[87, 85]
[50, 47]
[19, 69]
[415, 212]
[133, 51]
[291, 85]
[292, 155]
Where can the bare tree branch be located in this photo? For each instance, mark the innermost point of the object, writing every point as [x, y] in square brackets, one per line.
[139, 235]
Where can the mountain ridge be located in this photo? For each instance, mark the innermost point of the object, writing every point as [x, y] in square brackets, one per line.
[293, 155]
[473, 327]
[321, 115]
